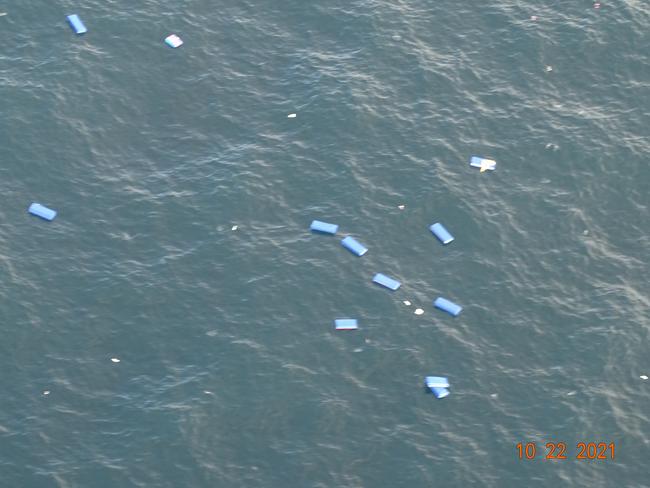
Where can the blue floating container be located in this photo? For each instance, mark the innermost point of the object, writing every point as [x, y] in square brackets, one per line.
[441, 233]
[383, 280]
[77, 25]
[436, 382]
[483, 163]
[346, 324]
[173, 41]
[440, 392]
[41, 211]
[324, 227]
[447, 306]
[354, 246]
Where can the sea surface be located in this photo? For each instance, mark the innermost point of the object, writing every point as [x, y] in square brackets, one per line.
[173, 326]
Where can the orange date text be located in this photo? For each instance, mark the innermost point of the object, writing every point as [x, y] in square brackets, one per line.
[558, 450]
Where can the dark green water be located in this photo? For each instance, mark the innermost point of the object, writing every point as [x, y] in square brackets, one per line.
[230, 372]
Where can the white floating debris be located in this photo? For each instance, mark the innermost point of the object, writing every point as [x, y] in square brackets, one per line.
[401, 207]
[571, 393]
[397, 37]
[46, 392]
[234, 227]
[585, 232]
[483, 163]
[207, 392]
[494, 395]
[291, 116]
[173, 41]
[549, 68]
[115, 360]
[2, 14]
[358, 349]
[643, 377]
[533, 17]
[406, 302]
[418, 311]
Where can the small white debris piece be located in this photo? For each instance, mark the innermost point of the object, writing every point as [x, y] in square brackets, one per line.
[397, 37]
[549, 68]
[533, 17]
[406, 302]
[46, 392]
[173, 41]
[234, 227]
[401, 207]
[585, 232]
[358, 349]
[291, 116]
[207, 392]
[643, 377]
[115, 360]
[2, 14]
[418, 311]
[571, 393]
[494, 395]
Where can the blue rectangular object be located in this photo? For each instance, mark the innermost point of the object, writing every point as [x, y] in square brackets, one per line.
[354, 246]
[436, 382]
[384, 280]
[324, 227]
[346, 324]
[76, 24]
[447, 306]
[41, 211]
[441, 233]
[483, 163]
[440, 392]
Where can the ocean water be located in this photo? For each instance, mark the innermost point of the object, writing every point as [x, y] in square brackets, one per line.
[230, 373]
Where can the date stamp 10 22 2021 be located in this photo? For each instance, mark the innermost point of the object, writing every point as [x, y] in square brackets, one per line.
[558, 450]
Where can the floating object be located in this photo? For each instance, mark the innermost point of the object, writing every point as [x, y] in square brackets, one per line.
[436, 382]
[77, 25]
[115, 360]
[447, 306]
[291, 116]
[418, 311]
[2, 14]
[406, 302]
[439, 392]
[354, 246]
[533, 17]
[483, 163]
[549, 68]
[346, 324]
[643, 377]
[324, 227]
[441, 233]
[41, 211]
[46, 392]
[401, 207]
[173, 41]
[234, 227]
[384, 280]
[597, 5]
